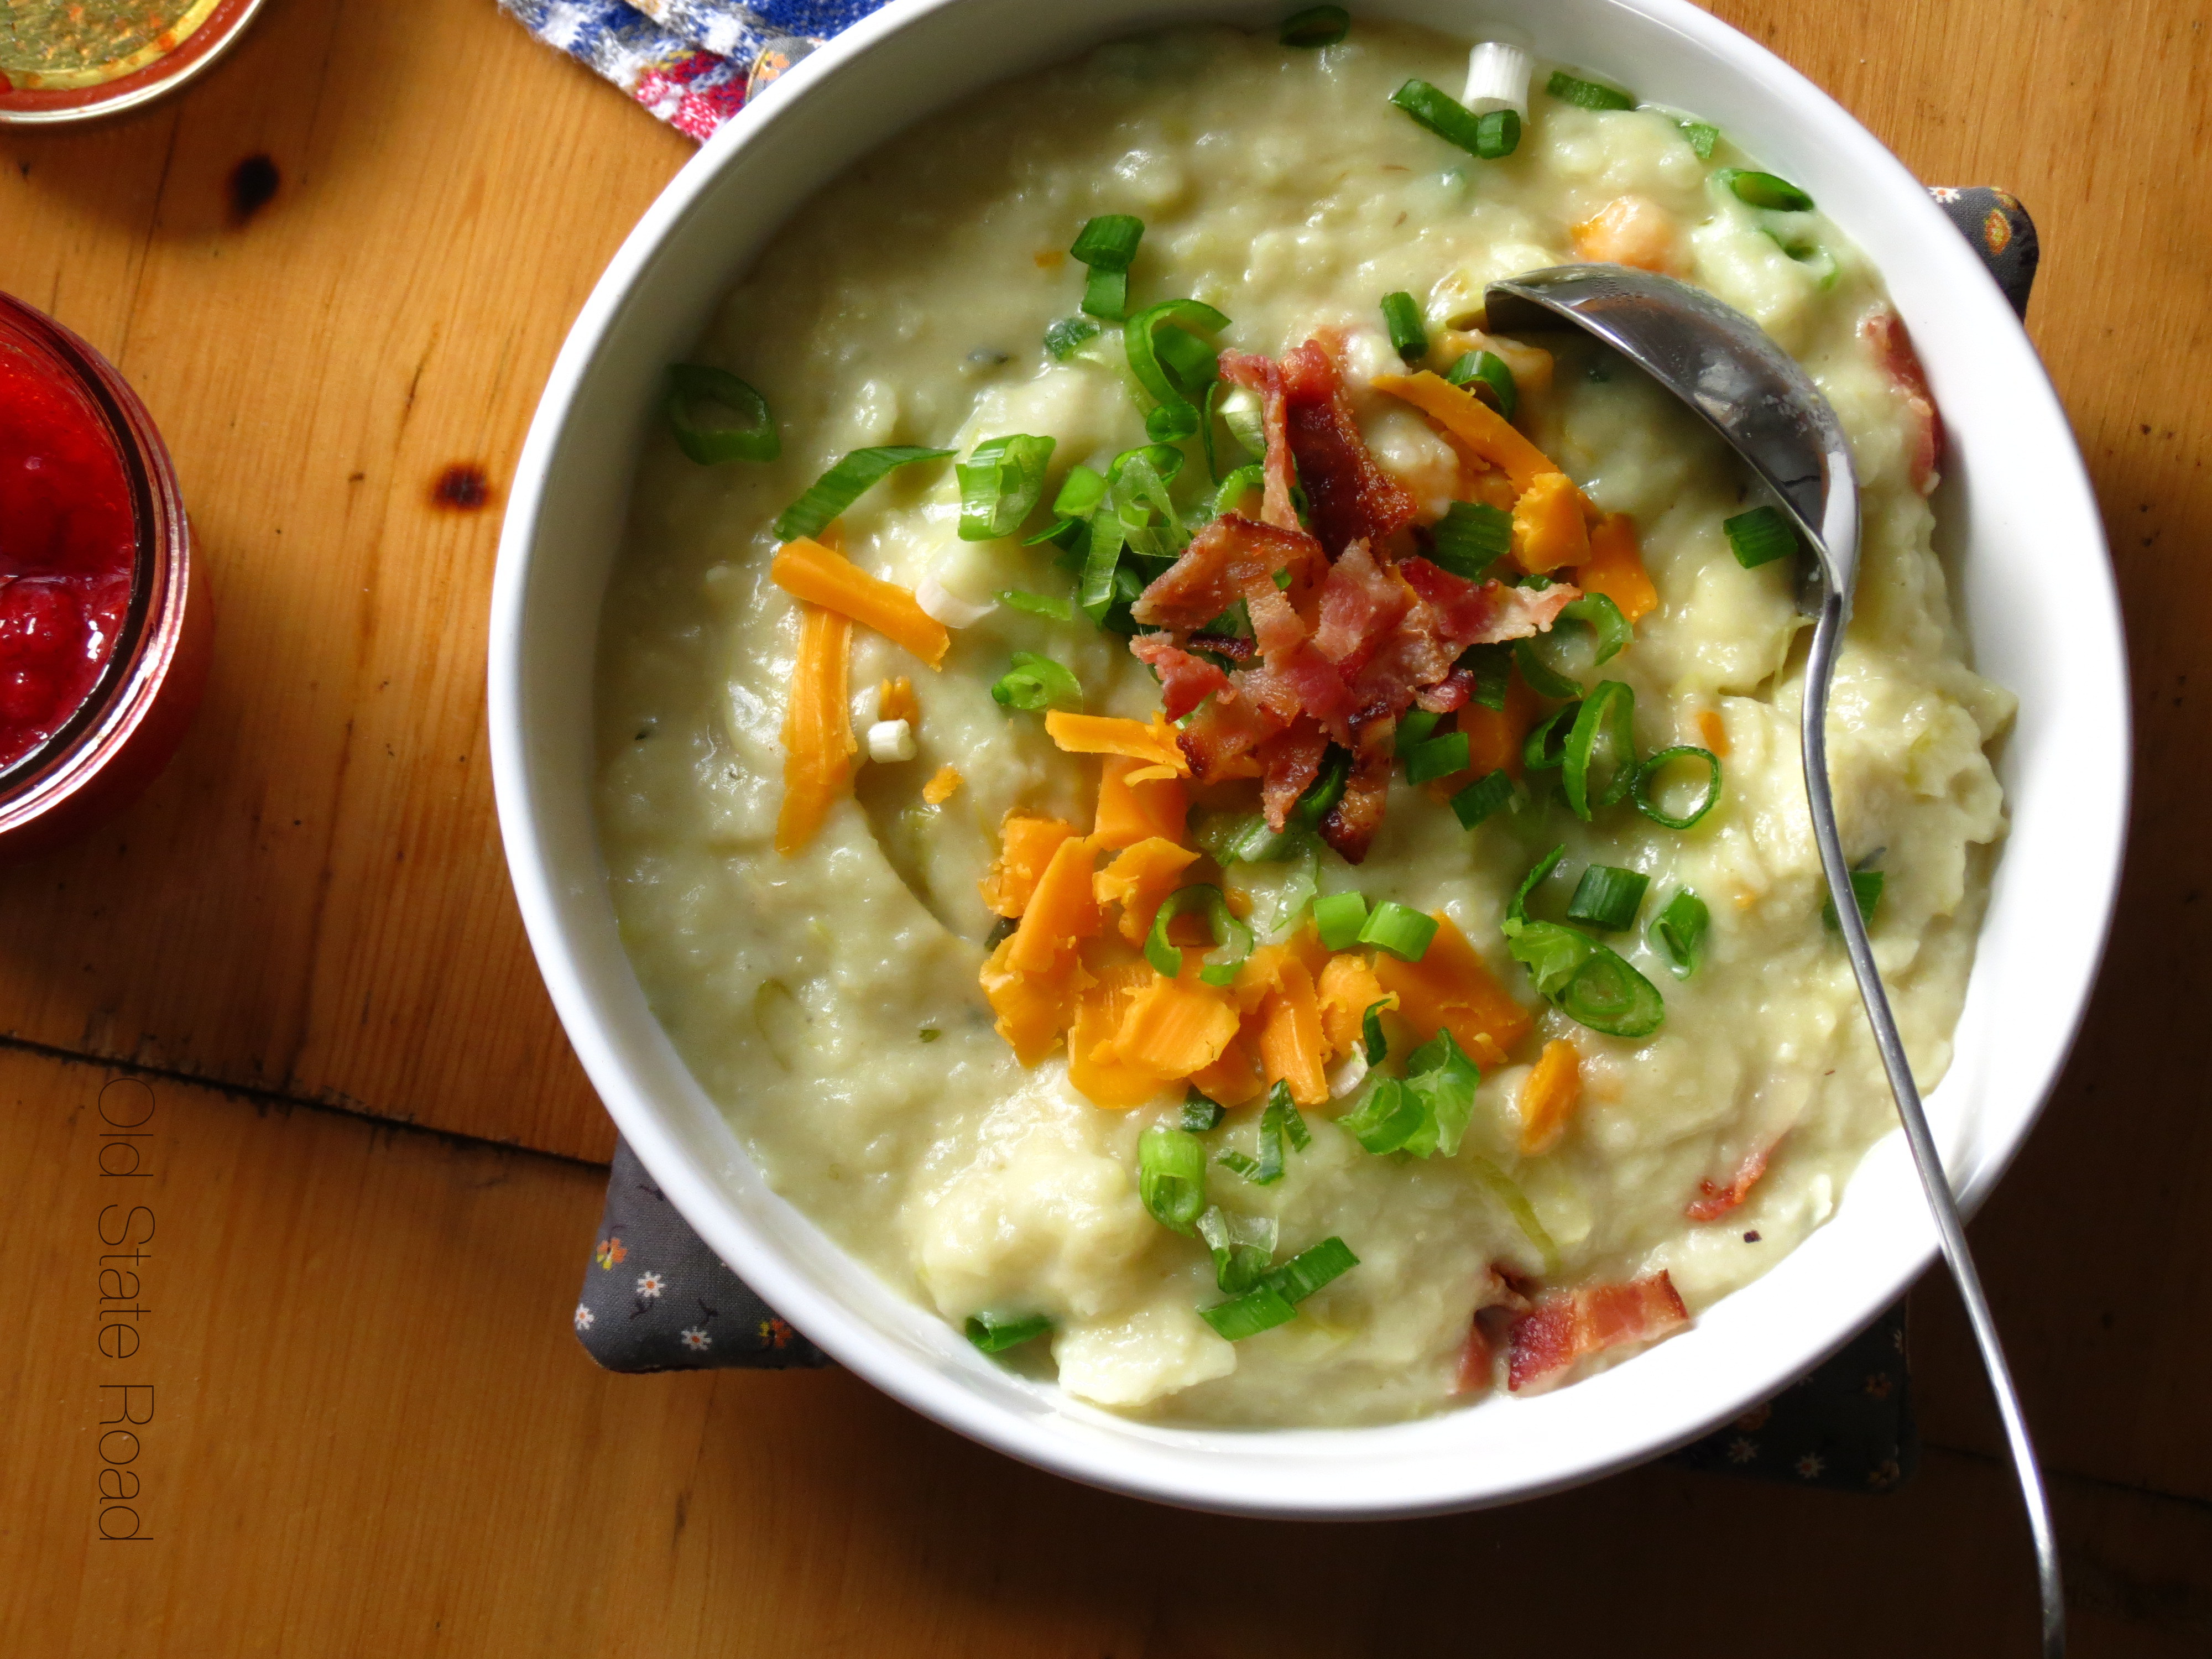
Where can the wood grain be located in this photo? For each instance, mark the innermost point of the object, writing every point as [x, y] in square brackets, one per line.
[376, 1435]
[372, 1434]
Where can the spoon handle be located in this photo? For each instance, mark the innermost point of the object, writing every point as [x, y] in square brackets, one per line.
[1827, 637]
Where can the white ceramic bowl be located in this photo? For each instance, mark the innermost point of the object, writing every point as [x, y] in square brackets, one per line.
[2021, 528]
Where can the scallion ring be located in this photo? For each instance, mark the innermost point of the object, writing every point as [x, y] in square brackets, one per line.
[1036, 604]
[1230, 934]
[1543, 680]
[1647, 778]
[693, 384]
[1000, 483]
[1482, 798]
[1140, 339]
[1598, 765]
[1236, 486]
[1516, 908]
[1489, 371]
[1172, 424]
[1172, 1177]
[1546, 749]
[1470, 538]
[996, 1333]
[1586, 95]
[1338, 917]
[1760, 536]
[1453, 122]
[1763, 190]
[1034, 683]
[1439, 757]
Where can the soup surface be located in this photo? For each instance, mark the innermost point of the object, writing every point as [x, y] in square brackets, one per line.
[829, 997]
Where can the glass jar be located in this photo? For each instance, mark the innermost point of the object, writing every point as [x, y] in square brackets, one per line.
[105, 624]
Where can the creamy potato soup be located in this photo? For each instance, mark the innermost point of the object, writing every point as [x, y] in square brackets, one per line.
[1232, 834]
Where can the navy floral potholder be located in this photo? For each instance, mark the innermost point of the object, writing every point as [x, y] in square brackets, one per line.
[657, 1299]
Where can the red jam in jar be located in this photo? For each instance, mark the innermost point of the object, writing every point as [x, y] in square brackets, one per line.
[105, 628]
[68, 544]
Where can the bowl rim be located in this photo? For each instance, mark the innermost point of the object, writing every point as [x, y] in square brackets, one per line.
[1164, 1469]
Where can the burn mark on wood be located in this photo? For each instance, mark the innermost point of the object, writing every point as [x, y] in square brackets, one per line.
[462, 487]
[253, 184]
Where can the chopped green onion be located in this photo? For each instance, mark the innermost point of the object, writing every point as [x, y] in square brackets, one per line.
[1427, 1112]
[1108, 242]
[1546, 749]
[1064, 338]
[1172, 1177]
[1516, 908]
[1386, 1119]
[1598, 766]
[1034, 683]
[753, 439]
[1200, 1114]
[1414, 726]
[1865, 893]
[1237, 485]
[1469, 538]
[1590, 983]
[1376, 1045]
[1229, 932]
[1493, 668]
[1261, 1309]
[1242, 1247]
[1587, 94]
[1278, 1123]
[1701, 137]
[1497, 133]
[843, 484]
[1763, 190]
[1442, 1077]
[1452, 121]
[1142, 341]
[1760, 536]
[1439, 757]
[1504, 1189]
[1036, 604]
[1543, 680]
[996, 1333]
[1327, 789]
[1402, 929]
[1001, 483]
[1172, 424]
[1311, 1268]
[1647, 777]
[1488, 369]
[1402, 317]
[1338, 917]
[1482, 798]
[1609, 995]
[1317, 26]
[1610, 630]
[1677, 931]
[1608, 897]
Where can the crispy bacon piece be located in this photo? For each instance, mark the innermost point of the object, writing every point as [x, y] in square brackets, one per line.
[1361, 602]
[1351, 824]
[1718, 1200]
[1484, 613]
[1566, 1327]
[1234, 647]
[1231, 559]
[1261, 374]
[1185, 681]
[1447, 693]
[1289, 760]
[1493, 1313]
[1885, 334]
[1226, 732]
[1349, 495]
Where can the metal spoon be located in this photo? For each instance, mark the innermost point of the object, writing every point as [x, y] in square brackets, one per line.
[1751, 392]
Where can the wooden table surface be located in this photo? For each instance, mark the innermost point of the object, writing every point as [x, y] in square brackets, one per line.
[371, 1162]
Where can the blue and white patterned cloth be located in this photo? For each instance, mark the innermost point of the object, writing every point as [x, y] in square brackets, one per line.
[692, 63]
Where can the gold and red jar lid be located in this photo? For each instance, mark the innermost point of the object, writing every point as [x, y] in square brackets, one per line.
[70, 60]
[104, 626]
